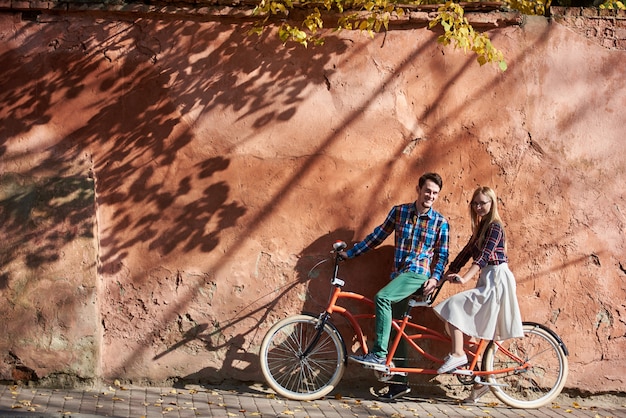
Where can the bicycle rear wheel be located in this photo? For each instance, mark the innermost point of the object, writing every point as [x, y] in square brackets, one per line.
[531, 387]
[295, 375]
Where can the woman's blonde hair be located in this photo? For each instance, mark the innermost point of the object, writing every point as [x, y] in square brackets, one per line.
[479, 228]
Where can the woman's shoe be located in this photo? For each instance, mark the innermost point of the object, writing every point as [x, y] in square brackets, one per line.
[452, 363]
[478, 391]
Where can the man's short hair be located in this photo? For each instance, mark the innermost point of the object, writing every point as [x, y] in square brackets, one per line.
[434, 177]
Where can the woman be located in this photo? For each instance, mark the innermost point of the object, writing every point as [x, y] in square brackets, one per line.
[489, 311]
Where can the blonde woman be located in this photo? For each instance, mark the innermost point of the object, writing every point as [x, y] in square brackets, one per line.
[490, 310]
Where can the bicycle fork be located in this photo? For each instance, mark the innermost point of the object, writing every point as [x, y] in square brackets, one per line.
[319, 327]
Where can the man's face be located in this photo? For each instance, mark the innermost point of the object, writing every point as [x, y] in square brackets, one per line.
[426, 195]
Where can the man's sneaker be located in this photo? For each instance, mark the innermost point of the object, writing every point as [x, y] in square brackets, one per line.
[369, 358]
[451, 363]
[394, 391]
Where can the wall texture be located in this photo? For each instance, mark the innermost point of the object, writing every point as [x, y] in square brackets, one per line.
[166, 184]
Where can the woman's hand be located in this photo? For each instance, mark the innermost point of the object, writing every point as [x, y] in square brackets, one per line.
[455, 278]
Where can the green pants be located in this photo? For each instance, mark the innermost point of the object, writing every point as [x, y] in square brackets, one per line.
[398, 290]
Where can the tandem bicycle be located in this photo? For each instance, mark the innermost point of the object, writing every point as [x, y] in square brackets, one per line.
[303, 357]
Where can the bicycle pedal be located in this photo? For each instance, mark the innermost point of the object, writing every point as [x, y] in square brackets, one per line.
[377, 367]
[464, 372]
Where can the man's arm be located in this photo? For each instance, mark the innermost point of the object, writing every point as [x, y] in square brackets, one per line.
[377, 236]
[440, 258]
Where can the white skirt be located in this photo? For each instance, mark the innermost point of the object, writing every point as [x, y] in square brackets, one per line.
[490, 311]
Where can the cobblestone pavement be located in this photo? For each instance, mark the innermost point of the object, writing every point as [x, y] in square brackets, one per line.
[255, 401]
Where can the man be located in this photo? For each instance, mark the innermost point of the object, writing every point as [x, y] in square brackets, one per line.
[421, 254]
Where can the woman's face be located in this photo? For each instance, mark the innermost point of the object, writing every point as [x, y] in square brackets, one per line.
[481, 204]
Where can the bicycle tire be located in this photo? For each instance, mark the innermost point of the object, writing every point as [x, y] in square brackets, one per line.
[533, 387]
[296, 377]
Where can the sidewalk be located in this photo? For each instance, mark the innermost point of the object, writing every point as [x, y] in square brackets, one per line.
[256, 401]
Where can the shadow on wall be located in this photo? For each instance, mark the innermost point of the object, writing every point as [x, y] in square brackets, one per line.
[134, 125]
[46, 214]
[96, 100]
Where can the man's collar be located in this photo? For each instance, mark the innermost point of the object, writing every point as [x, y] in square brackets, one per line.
[428, 213]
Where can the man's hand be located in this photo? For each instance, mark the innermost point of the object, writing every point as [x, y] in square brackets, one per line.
[430, 286]
[343, 255]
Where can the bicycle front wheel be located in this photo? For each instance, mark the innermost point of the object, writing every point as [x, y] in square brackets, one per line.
[294, 374]
[540, 381]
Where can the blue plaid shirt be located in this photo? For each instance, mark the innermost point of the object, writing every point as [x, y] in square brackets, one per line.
[421, 241]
